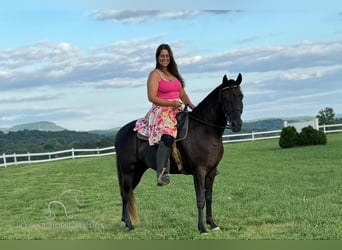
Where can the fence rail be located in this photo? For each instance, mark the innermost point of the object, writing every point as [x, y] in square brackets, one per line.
[30, 158]
[274, 134]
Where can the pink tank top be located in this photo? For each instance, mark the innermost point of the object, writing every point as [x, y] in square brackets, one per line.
[169, 89]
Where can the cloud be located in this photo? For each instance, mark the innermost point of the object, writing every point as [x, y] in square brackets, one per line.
[221, 12]
[247, 40]
[26, 99]
[60, 64]
[127, 63]
[272, 58]
[38, 54]
[39, 64]
[10, 116]
[141, 16]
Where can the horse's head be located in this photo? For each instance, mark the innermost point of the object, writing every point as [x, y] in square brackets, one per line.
[231, 102]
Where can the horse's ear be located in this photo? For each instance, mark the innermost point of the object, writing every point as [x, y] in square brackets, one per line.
[239, 79]
[225, 79]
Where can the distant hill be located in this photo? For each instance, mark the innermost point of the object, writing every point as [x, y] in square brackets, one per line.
[108, 132]
[263, 125]
[35, 141]
[269, 124]
[248, 126]
[40, 126]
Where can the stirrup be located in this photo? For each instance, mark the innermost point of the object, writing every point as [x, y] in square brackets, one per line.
[163, 178]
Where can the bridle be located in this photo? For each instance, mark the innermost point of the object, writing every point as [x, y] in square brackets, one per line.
[226, 113]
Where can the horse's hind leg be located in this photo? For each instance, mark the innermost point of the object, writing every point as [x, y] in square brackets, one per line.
[129, 183]
[126, 196]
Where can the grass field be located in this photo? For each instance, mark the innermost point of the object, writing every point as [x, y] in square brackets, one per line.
[262, 192]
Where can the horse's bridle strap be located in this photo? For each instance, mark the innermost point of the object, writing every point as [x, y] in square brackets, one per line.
[227, 114]
[205, 122]
[230, 87]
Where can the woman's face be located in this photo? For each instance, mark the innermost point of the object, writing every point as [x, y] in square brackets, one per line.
[164, 58]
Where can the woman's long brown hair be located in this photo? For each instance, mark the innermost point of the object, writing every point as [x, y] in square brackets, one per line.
[172, 67]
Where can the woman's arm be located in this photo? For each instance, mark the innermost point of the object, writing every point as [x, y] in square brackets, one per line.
[185, 99]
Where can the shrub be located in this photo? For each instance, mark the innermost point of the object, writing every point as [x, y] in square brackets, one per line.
[310, 136]
[322, 138]
[288, 137]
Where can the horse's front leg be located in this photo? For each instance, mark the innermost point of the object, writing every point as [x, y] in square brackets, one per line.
[199, 181]
[209, 181]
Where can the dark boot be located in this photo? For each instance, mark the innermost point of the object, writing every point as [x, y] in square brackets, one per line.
[163, 155]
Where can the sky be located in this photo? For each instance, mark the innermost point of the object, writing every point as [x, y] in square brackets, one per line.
[84, 64]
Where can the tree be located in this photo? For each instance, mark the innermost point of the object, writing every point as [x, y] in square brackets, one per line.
[326, 116]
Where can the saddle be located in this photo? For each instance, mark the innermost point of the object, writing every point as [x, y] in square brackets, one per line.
[182, 132]
[182, 125]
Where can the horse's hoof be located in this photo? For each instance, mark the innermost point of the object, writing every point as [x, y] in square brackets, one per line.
[129, 229]
[216, 229]
[204, 232]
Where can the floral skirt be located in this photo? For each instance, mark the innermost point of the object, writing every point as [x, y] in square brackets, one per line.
[159, 120]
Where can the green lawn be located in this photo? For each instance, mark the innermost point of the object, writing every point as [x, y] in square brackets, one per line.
[262, 192]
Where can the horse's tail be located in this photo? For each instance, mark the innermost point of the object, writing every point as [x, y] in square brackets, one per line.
[132, 210]
[126, 178]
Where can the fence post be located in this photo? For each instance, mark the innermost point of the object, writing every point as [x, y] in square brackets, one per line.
[316, 124]
[5, 163]
[29, 157]
[252, 135]
[324, 129]
[15, 159]
[98, 151]
[73, 153]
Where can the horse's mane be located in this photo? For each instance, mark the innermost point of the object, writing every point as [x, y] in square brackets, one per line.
[207, 102]
[211, 101]
[210, 109]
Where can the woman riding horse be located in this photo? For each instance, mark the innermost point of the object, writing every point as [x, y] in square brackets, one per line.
[166, 91]
[201, 151]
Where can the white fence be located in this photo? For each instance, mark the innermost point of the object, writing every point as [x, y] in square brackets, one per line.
[29, 158]
[254, 136]
[16, 159]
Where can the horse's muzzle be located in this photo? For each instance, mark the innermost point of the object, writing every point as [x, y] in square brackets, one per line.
[236, 125]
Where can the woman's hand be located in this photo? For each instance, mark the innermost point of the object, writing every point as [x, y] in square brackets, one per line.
[176, 104]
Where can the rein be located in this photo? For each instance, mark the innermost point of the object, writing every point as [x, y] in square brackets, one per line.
[227, 126]
[205, 122]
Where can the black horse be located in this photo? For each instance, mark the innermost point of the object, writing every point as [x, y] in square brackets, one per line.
[201, 151]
